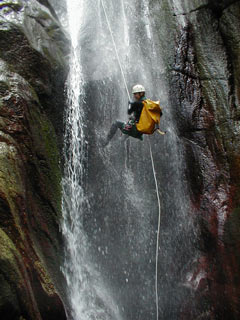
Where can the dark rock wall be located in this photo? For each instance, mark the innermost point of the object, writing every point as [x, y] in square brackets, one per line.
[202, 59]
[201, 55]
[33, 51]
[198, 42]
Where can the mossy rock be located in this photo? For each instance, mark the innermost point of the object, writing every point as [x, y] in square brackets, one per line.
[47, 154]
[31, 81]
[10, 277]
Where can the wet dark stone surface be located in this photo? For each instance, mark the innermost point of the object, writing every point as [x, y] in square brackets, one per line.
[204, 87]
[33, 63]
[202, 74]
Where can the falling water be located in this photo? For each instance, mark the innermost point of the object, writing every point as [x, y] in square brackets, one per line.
[74, 151]
[109, 196]
[88, 298]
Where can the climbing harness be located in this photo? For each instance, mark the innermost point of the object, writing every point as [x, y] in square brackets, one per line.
[151, 155]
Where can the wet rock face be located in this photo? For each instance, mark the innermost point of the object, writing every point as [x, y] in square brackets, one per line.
[33, 70]
[204, 84]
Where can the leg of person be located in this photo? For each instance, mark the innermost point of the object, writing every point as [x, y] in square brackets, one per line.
[124, 138]
[115, 126]
[130, 130]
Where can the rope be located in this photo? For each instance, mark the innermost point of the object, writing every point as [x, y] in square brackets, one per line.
[158, 230]
[153, 166]
[116, 51]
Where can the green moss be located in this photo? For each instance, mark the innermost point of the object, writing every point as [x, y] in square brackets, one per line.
[57, 60]
[7, 248]
[2, 125]
[44, 15]
[11, 183]
[45, 279]
[34, 95]
[8, 259]
[4, 86]
[14, 6]
[46, 147]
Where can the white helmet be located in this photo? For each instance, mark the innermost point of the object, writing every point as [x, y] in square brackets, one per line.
[138, 88]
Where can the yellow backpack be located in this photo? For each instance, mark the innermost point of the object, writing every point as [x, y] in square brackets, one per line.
[150, 116]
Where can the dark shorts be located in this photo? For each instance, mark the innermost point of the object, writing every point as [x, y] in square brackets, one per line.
[130, 129]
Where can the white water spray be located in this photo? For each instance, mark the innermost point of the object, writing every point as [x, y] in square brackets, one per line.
[74, 152]
[150, 149]
[88, 298]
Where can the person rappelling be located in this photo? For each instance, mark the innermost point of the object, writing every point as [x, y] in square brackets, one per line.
[144, 117]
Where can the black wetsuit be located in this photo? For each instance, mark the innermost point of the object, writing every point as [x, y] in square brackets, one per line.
[135, 108]
[128, 128]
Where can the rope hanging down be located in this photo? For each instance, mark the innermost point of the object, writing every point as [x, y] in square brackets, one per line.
[153, 167]
[158, 230]
[116, 51]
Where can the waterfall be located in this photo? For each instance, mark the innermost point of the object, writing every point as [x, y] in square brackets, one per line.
[109, 197]
[74, 152]
[88, 298]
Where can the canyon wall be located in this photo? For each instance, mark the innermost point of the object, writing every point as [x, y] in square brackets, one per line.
[33, 62]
